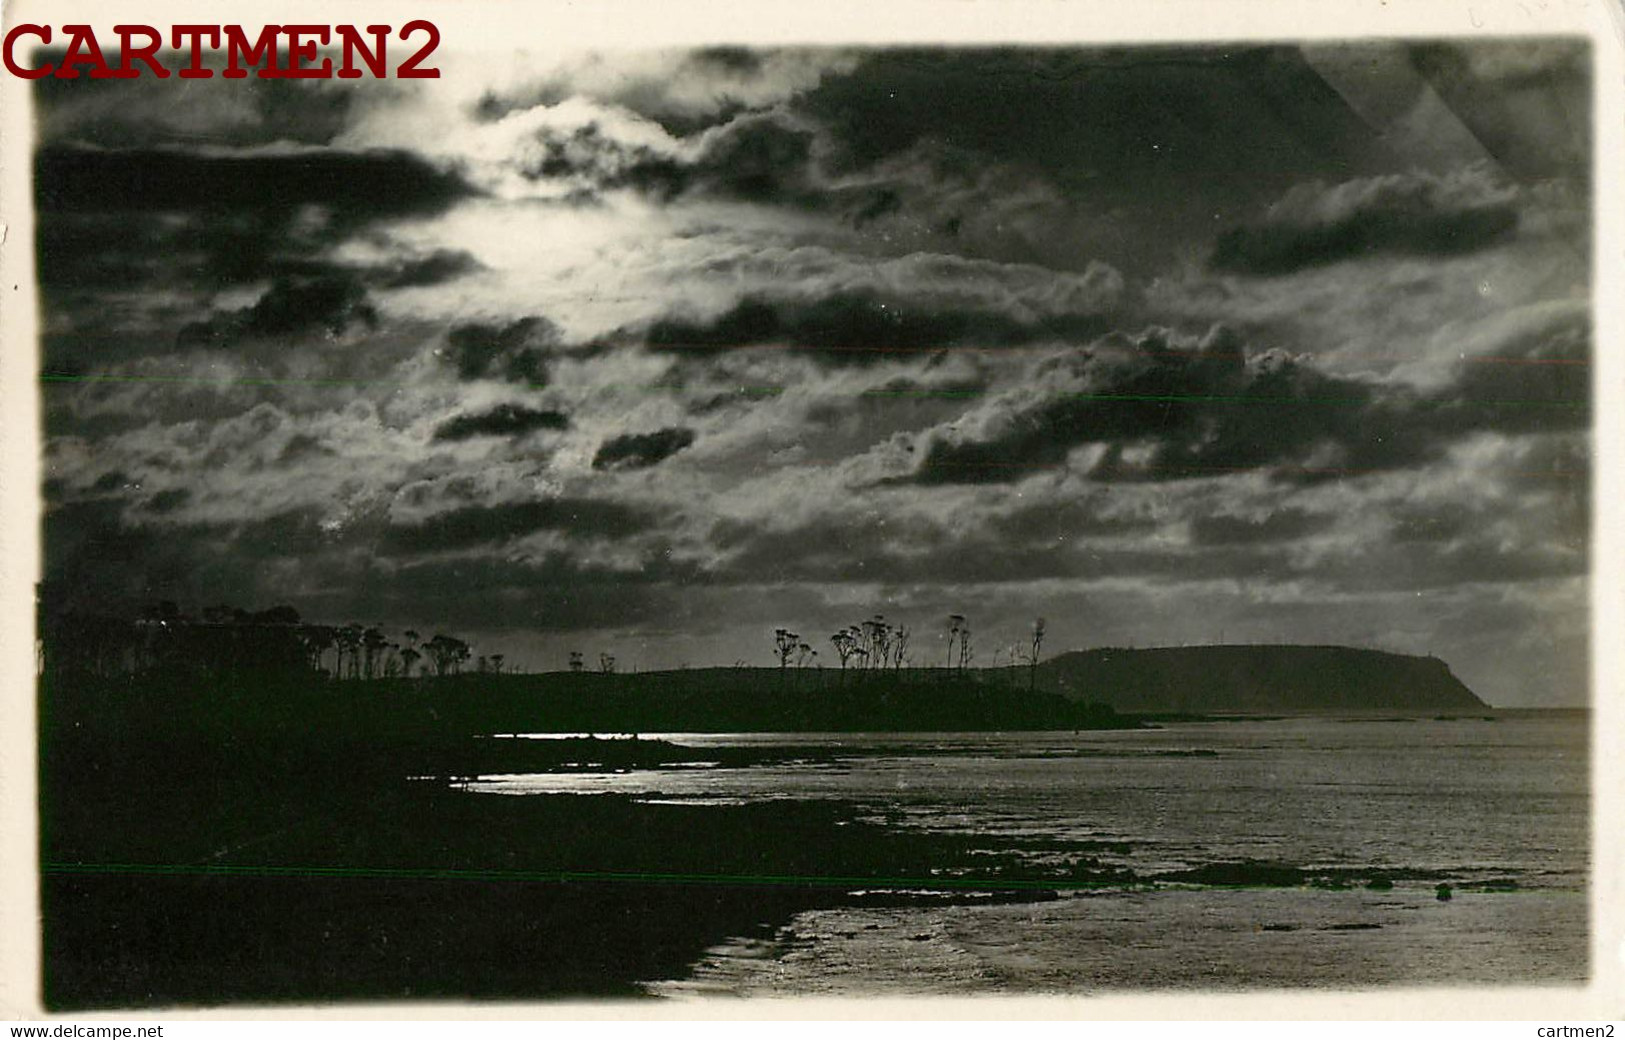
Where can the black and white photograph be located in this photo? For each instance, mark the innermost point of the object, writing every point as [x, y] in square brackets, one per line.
[709, 520]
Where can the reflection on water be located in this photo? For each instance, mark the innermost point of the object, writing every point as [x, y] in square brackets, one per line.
[1502, 801]
[1503, 798]
[1165, 939]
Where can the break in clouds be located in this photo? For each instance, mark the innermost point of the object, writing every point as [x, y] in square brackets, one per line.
[653, 352]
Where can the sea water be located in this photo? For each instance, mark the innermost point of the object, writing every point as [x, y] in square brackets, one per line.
[1499, 805]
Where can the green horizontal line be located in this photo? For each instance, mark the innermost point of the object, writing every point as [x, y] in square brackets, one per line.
[444, 874]
[435, 874]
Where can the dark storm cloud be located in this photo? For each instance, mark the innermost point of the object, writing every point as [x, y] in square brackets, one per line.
[87, 547]
[1200, 409]
[442, 265]
[515, 352]
[301, 447]
[1414, 214]
[163, 219]
[404, 272]
[1164, 411]
[860, 327]
[1089, 110]
[291, 306]
[502, 522]
[358, 186]
[142, 225]
[758, 159]
[293, 533]
[556, 593]
[880, 202]
[934, 138]
[1536, 379]
[83, 252]
[505, 420]
[1128, 127]
[98, 559]
[642, 450]
[169, 500]
[148, 112]
[741, 60]
[1141, 149]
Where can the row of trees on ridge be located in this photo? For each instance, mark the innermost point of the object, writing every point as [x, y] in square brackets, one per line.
[229, 641]
[877, 645]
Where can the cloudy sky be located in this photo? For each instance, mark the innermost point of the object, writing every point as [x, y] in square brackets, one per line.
[654, 352]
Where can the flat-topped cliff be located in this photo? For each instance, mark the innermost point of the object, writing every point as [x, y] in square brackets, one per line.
[1256, 679]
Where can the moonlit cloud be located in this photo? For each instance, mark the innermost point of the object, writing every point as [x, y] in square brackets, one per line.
[660, 350]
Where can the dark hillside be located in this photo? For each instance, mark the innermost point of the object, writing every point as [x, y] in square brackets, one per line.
[1257, 678]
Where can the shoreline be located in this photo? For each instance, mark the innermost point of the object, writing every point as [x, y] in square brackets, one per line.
[284, 855]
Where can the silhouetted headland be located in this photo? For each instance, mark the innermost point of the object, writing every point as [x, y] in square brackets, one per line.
[1244, 679]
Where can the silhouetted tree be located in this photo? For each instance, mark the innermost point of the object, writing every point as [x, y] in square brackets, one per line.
[606, 664]
[784, 644]
[372, 646]
[1032, 662]
[447, 653]
[876, 641]
[577, 661]
[846, 644]
[956, 622]
[317, 640]
[349, 644]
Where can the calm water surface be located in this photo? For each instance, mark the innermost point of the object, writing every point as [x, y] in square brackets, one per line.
[1467, 800]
